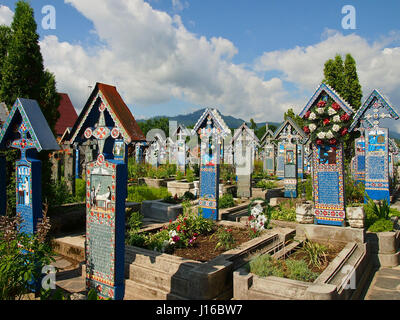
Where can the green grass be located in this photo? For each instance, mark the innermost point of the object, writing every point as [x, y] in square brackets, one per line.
[142, 193]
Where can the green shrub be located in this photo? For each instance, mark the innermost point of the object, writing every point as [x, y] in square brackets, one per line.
[80, 190]
[188, 196]
[226, 201]
[18, 268]
[381, 225]
[190, 175]
[136, 170]
[393, 212]
[136, 239]
[298, 270]
[59, 193]
[135, 221]
[266, 184]
[284, 213]
[179, 175]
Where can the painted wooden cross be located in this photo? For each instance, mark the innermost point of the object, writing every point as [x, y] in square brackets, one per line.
[35, 136]
[101, 132]
[209, 171]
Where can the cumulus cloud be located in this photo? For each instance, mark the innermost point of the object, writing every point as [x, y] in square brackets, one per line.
[152, 58]
[6, 15]
[378, 65]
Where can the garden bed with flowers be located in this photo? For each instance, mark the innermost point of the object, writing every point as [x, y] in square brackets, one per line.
[193, 257]
[193, 237]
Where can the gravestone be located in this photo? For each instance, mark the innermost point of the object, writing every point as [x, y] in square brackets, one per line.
[243, 165]
[290, 171]
[327, 119]
[375, 109]
[26, 129]
[300, 161]
[290, 136]
[105, 209]
[280, 160]
[269, 158]
[181, 155]
[107, 123]
[377, 164]
[359, 160]
[209, 171]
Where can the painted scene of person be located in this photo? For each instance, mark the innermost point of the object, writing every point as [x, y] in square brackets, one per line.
[100, 193]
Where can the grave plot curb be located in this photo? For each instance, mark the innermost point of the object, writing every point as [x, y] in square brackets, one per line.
[151, 275]
[344, 279]
[156, 276]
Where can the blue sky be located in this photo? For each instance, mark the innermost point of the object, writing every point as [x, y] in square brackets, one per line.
[268, 50]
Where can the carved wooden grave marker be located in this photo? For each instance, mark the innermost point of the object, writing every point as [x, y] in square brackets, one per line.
[209, 171]
[290, 136]
[106, 122]
[26, 129]
[327, 118]
[375, 109]
[359, 159]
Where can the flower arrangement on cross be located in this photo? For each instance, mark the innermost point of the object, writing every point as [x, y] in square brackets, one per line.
[326, 122]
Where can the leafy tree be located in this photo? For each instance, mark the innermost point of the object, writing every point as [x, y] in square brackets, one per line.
[334, 74]
[22, 75]
[352, 92]
[155, 123]
[5, 36]
[296, 118]
[253, 125]
[343, 78]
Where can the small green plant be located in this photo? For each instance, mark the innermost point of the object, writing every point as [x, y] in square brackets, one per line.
[381, 225]
[316, 253]
[22, 256]
[284, 212]
[227, 172]
[80, 190]
[265, 266]
[179, 175]
[226, 201]
[298, 270]
[135, 221]
[188, 196]
[266, 184]
[189, 175]
[225, 238]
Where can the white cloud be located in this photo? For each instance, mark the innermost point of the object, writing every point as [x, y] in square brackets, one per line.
[151, 58]
[179, 5]
[6, 15]
[378, 65]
